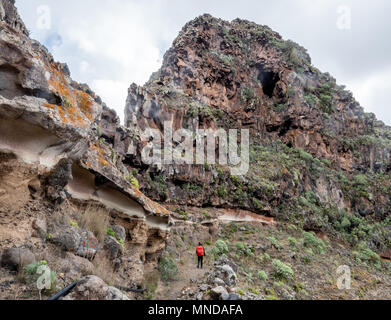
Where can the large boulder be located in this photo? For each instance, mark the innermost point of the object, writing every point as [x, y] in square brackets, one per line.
[227, 274]
[40, 228]
[75, 266]
[81, 242]
[16, 258]
[113, 247]
[218, 292]
[94, 288]
[120, 231]
[224, 261]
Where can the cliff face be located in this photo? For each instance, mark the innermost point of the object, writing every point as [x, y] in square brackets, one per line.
[9, 14]
[75, 192]
[254, 79]
[54, 162]
[315, 155]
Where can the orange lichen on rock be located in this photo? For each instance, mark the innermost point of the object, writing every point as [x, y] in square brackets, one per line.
[103, 162]
[85, 104]
[98, 149]
[77, 105]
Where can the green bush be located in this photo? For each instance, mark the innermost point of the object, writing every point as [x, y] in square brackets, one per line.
[345, 224]
[220, 249]
[360, 180]
[273, 241]
[305, 155]
[292, 241]
[266, 256]
[121, 242]
[243, 249]
[365, 254]
[312, 241]
[134, 182]
[168, 269]
[222, 192]
[281, 270]
[31, 272]
[262, 275]
[73, 224]
[110, 232]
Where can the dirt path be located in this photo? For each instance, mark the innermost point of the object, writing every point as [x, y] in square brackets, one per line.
[187, 274]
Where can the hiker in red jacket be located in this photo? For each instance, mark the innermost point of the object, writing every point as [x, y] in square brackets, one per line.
[200, 254]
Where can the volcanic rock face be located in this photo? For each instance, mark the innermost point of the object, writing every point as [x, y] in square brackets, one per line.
[74, 187]
[55, 159]
[9, 14]
[247, 74]
[308, 135]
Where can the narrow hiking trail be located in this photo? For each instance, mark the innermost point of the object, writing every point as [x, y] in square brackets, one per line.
[188, 274]
[186, 236]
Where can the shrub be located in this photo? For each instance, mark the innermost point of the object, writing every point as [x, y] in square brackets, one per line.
[312, 241]
[121, 242]
[168, 269]
[220, 249]
[310, 100]
[135, 182]
[73, 224]
[150, 282]
[292, 241]
[31, 271]
[110, 232]
[266, 256]
[262, 275]
[243, 249]
[273, 241]
[345, 224]
[365, 254]
[222, 192]
[281, 270]
[360, 180]
[103, 268]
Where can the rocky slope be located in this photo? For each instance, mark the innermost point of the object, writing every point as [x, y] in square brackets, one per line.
[316, 158]
[75, 194]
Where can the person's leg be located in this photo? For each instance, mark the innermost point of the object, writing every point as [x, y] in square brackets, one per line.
[202, 262]
[199, 261]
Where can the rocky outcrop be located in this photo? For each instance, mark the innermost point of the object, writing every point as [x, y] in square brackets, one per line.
[93, 288]
[56, 117]
[309, 136]
[62, 150]
[9, 15]
[244, 75]
[16, 258]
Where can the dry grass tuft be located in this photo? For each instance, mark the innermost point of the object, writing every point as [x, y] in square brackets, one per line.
[103, 269]
[96, 220]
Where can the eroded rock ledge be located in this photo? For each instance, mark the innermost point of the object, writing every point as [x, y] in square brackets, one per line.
[54, 162]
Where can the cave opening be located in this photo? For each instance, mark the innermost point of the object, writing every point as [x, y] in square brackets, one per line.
[268, 79]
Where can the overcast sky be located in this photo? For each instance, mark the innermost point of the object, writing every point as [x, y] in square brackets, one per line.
[109, 44]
